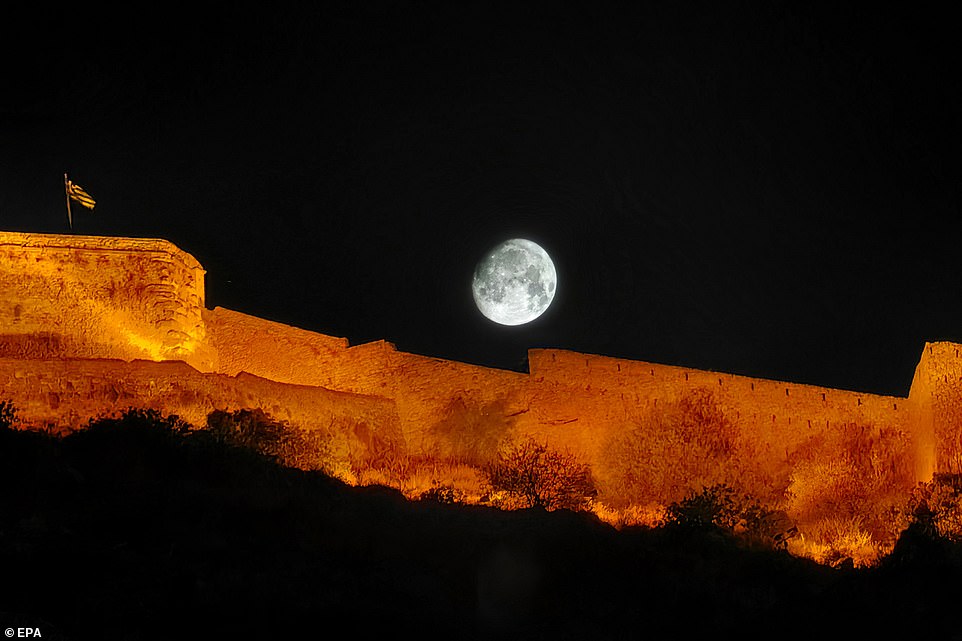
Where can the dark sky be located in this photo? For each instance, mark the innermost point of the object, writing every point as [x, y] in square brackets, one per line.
[764, 189]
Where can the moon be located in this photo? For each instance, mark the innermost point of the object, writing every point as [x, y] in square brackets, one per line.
[515, 282]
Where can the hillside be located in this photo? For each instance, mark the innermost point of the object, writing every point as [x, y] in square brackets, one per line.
[136, 529]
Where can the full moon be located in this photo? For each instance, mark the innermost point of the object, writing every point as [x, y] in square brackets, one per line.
[515, 282]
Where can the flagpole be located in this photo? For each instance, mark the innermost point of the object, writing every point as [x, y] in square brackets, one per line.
[66, 191]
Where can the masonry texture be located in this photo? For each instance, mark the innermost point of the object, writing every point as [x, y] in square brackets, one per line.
[97, 297]
[91, 325]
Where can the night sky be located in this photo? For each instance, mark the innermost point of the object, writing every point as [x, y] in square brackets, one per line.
[766, 189]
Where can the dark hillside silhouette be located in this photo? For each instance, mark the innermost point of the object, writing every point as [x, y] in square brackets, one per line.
[139, 528]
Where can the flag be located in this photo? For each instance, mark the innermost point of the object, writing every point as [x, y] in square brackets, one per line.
[77, 193]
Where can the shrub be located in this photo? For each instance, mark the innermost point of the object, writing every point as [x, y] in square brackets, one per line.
[531, 475]
[445, 494]
[309, 450]
[932, 535]
[936, 507]
[8, 415]
[645, 516]
[250, 429]
[720, 506]
[131, 447]
[392, 467]
[837, 541]
[713, 506]
[284, 444]
[424, 474]
[145, 421]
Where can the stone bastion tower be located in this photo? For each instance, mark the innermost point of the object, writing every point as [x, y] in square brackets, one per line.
[93, 325]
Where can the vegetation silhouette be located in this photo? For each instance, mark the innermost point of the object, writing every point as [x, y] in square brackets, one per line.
[720, 506]
[141, 527]
[255, 430]
[529, 474]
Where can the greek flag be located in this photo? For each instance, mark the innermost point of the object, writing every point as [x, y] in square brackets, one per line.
[77, 193]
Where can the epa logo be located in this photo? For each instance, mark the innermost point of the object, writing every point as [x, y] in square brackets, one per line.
[23, 633]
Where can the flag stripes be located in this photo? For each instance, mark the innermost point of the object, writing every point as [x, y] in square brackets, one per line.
[77, 193]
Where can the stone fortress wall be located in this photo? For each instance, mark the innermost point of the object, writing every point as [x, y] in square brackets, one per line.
[67, 302]
[618, 393]
[62, 395]
[99, 297]
[936, 401]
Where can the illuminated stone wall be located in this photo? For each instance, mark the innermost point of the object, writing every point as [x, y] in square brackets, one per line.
[271, 350]
[98, 297]
[624, 390]
[428, 391]
[581, 401]
[63, 395]
[937, 394]
[75, 297]
[585, 402]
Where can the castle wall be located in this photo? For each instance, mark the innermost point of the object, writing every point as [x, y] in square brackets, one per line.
[784, 411]
[937, 393]
[68, 300]
[582, 402]
[575, 401]
[65, 394]
[271, 350]
[100, 297]
[427, 390]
